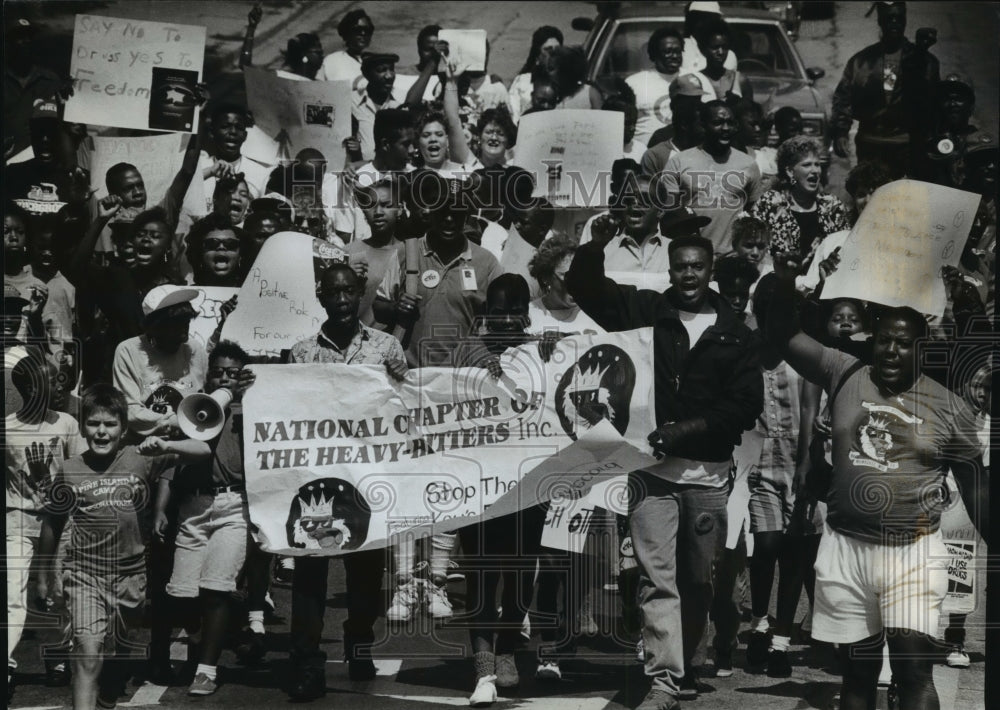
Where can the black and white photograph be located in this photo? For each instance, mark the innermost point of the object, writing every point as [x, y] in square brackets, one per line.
[555, 355]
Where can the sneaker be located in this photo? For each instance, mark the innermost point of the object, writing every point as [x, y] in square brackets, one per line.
[454, 574]
[757, 648]
[250, 648]
[778, 665]
[438, 606]
[106, 702]
[723, 664]
[485, 693]
[309, 685]
[284, 569]
[506, 674]
[689, 686]
[548, 670]
[361, 669]
[404, 602]
[203, 685]
[958, 658]
[659, 700]
[640, 651]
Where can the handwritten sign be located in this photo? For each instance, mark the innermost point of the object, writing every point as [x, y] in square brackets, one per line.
[277, 304]
[466, 48]
[209, 308]
[301, 114]
[112, 68]
[961, 595]
[894, 253]
[570, 153]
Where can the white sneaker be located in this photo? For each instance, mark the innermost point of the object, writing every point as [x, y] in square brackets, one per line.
[404, 602]
[958, 658]
[640, 651]
[438, 606]
[548, 670]
[485, 692]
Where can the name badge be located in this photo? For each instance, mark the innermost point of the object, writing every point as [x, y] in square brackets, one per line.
[469, 279]
[430, 278]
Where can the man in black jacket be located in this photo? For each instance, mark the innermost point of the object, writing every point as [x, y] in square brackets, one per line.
[708, 390]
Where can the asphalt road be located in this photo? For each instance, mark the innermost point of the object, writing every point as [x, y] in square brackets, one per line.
[423, 667]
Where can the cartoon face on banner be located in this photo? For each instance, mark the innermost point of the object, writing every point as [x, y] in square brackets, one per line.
[328, 512]
[599, 386]
[165, 398]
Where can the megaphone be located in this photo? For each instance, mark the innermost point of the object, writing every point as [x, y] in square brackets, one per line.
[201, 416]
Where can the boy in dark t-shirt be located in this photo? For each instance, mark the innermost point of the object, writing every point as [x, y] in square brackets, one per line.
[107, 492]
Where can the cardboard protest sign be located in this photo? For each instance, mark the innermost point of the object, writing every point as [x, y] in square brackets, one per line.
[209, 308]
[570, 153]
[277, 304]
[466, 48]
[341, 457]
[906, 233]
[961, 595]
[301, 114]
[113, 66]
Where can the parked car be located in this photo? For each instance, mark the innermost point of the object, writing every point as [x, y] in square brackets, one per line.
[616, 45]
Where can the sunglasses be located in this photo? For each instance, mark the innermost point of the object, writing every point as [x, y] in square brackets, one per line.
[213, 244]
[230, 372]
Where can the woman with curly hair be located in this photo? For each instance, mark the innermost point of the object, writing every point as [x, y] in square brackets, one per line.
[545, 39]
[798, 212]
[555, 309]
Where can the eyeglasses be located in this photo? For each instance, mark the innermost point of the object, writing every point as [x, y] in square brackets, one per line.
[230, 372]
[215, 244]
[494, 133]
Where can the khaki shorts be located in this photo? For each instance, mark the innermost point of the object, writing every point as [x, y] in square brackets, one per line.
[863, 587]
[211, 544]
[104, 605]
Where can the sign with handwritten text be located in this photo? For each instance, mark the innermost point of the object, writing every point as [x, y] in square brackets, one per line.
[301, 114]
[112, 70]
[277, 305]
[570, 153]
[894, 253]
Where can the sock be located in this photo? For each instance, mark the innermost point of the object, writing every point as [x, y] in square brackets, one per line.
[207, 670]
[405, 554]
[758, 624]
[441, 547]
[780, 643]
[288, 562]
[256, 621]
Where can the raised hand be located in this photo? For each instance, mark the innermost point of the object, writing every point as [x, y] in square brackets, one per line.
[107, 207]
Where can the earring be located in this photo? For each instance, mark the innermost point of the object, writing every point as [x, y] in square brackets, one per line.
[792, 181]
[305, 60]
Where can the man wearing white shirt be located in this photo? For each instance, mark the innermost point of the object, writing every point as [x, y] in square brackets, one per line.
[356, 29]
[696, 14]
[380, 93]
[652, 86]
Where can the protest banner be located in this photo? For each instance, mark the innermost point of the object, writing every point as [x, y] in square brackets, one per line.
[208, 305]
[277, 305]
[894, 253]
[570, 153]
[466, 48]
[341, 457]
[301, 114]
[113, 65]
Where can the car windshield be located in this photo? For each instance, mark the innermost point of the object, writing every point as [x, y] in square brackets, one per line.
[761, 49]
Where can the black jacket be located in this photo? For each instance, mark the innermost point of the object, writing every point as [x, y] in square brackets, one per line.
[718, 380]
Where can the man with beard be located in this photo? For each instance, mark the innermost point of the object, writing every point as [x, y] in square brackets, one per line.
[341, 339]
[708, 391]
[714, 179]
[885, 88]
[881, 568]
[159, 358]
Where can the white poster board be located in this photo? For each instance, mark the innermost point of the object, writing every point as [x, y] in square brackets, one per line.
[570, 153]
[112, 67]
[277, 305]
[208, 305]
[301, 114]
[466, 48]
[894, 253]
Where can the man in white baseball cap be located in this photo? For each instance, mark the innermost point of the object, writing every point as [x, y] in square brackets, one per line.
[695, 15]
[156, 369]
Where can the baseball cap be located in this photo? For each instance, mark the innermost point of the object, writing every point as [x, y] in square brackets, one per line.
[709, 7]
[45, 109]
[955, 82]
[163, 297]
[20, 27]
[682, 220]
[980, 142]
[370, 59]
[13, 301]
[685, 85]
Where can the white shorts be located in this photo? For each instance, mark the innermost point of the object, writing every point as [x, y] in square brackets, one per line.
[863, 587]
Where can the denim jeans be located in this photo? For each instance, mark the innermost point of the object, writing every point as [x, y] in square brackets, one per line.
[677, 532]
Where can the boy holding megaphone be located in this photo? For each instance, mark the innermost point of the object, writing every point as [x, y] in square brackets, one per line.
[211, 545]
